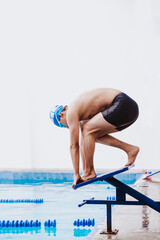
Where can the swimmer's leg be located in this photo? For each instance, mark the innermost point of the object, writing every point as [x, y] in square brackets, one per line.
[131, 150]
[82, 154]
[97, 130]
[90, 130]
[87, 152]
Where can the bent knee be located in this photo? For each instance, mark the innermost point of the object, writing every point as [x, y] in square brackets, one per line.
[87, 129]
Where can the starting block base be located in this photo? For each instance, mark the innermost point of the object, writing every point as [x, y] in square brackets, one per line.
[112, 232]
[121, 191]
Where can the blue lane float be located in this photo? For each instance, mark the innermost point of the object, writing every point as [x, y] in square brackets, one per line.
[84, 223]
[20, 223]
[50, 223]
[111, 198]
[21, 200]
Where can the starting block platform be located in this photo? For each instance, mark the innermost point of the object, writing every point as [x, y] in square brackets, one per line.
[121, 191]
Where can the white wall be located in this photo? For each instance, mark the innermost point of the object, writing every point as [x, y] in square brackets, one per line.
[50, 51]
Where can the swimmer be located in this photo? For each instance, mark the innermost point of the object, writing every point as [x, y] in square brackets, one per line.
[96, 114]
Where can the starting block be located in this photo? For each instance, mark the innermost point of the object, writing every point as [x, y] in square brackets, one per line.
[121, 191]
[151, 174]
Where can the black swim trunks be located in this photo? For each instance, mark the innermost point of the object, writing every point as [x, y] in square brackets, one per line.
[122, 112]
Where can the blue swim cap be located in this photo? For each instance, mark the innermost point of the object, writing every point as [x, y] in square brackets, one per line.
[55, 116]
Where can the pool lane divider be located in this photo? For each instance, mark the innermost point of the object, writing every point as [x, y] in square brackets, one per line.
[26, 223]
[20, 223]
[84, 222]
[21, 200]
[48, 223]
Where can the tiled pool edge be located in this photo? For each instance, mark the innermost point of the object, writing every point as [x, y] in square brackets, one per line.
[27, 177]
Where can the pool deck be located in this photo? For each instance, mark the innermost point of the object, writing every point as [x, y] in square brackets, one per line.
[135, 222]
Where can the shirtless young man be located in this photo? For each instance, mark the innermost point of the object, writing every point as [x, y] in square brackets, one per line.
[97, 113]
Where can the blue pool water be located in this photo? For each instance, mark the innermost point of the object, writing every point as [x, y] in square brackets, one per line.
[60, 202]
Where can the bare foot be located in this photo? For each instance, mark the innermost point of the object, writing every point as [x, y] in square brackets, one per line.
[88, 176]
[77, 179]
[132, 154]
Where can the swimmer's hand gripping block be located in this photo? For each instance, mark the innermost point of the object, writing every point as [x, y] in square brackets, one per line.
[103, 176]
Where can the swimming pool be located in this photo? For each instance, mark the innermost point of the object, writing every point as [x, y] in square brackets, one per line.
[59, 203]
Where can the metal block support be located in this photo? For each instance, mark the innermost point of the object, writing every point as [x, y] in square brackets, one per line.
[132, 192]
[109, 221]
[121, 191]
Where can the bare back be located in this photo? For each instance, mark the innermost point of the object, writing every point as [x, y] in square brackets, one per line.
[92, 102]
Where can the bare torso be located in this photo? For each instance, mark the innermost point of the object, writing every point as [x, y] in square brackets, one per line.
[92, 102]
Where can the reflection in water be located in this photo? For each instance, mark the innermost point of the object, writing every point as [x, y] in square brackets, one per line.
[145, 215]
[20, 230]
[23, 230]
[50, 231]
[81, 232]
